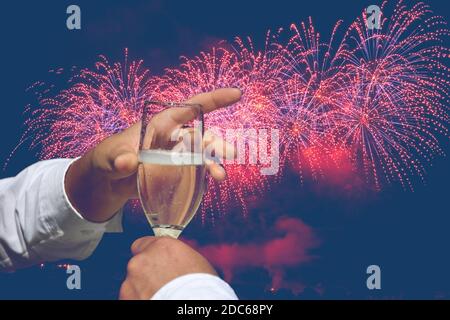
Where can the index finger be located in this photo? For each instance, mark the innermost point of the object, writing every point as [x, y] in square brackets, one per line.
[209, 101]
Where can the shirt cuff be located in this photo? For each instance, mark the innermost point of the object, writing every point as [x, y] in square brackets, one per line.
[196, 286]
[71, 235]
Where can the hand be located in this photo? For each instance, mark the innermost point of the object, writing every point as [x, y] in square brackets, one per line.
[104, 179]
[157, 261]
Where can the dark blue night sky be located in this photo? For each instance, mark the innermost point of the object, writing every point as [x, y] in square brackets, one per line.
[405, 233]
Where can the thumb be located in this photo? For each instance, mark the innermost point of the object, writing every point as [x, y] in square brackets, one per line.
[117, 155]
[125, 164]
[140, 244]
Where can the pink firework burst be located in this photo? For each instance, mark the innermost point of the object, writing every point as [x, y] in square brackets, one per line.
[377, 100]
[394, 106]
[257, 74]
[98, 104]
[305, 101]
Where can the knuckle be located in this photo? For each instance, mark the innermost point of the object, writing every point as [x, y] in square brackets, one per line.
[136, 244]
[140, 243]
[165, 242]
[135, 264]
[125, 291]
[169, 247]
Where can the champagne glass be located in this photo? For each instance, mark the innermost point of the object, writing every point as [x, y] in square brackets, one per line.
[171, 173]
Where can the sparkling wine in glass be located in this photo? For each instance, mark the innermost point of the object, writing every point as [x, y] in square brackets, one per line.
[171, 174]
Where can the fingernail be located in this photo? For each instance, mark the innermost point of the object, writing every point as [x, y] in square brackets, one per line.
[212, 159]
[242, 92]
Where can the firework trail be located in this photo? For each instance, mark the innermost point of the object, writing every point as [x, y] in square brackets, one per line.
[378, 97]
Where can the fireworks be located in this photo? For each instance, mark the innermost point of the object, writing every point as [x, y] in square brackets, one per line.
[378, 98]
[394, 104]
[304, 103]
[257, 74]
[99, 104]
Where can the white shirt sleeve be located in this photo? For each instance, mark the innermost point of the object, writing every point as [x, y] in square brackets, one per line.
[38, 223]
[196, 286]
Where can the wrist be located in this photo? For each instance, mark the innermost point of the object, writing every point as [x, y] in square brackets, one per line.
[88, 190]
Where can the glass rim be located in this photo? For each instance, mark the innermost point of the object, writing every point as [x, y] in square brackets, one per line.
[169, 104]
[173, 104]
